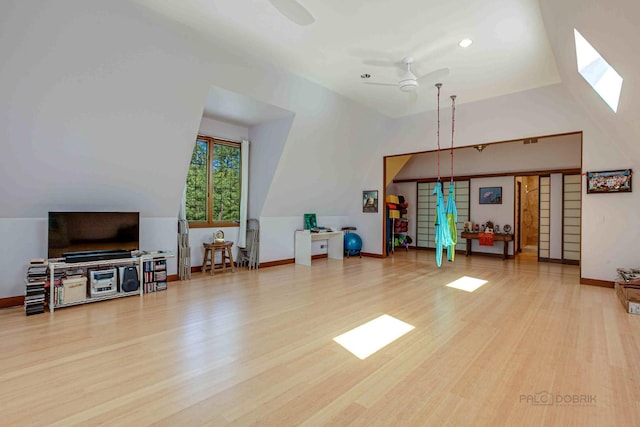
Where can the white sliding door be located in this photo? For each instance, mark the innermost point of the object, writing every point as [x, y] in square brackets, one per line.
[571, 206]
[425, 234]
[426, 212]
[545, 218]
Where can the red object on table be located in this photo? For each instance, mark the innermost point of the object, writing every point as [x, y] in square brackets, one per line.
[486, 239]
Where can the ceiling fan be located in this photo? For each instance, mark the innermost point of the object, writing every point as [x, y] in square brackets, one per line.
[294, 11]
[409, 82]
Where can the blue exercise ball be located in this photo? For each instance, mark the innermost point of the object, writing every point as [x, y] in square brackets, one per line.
[352, 243]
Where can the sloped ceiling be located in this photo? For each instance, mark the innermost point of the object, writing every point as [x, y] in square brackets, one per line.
[518, 45]
[611, 27]
[510, 52]
[237, 109]
[91, 116]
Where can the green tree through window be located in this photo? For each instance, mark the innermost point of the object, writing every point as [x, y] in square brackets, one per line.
[213, 183]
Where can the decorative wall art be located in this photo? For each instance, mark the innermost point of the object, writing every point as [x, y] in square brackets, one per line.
[616, 181]
[370, 201]
[490, 195]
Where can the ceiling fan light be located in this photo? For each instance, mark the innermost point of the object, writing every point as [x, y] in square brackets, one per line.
[409, 85]
[465, 42]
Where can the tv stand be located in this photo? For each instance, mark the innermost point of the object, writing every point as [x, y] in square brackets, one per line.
[140, 262]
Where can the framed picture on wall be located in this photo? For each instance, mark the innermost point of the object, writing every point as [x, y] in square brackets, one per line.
[370, 201]
[617, 181]
[490, 195]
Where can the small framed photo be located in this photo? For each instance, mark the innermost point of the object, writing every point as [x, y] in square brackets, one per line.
[490, 195]
[370, 201]
[616, 181]
[310, 221]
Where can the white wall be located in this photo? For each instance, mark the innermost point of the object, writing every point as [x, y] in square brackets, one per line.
[22, 240]
[223, 130]
[92, 115]
[608, 233]
[160, 234]
[92, 119]
[604, 25]
[327, 163]
[550, 153]
[549, 110]
[267, 142]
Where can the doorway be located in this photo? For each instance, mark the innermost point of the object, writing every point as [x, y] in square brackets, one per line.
[527, 210]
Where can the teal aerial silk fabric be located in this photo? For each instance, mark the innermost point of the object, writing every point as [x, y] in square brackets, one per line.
[443, 235]
[452, 218]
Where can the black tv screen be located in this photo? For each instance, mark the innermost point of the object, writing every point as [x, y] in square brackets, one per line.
[92, 231]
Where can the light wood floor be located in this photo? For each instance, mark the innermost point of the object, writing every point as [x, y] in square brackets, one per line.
[255, 347]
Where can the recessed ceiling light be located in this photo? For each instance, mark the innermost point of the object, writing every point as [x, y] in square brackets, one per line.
[365, 76]
[465, 42]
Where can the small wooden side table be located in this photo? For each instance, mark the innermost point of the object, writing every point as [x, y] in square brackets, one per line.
[226, 257]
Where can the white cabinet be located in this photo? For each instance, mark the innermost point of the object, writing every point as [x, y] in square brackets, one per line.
[303, 239]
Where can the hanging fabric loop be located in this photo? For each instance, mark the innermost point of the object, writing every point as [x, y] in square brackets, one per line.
[452, 211]
[441, 223]
[452, 219]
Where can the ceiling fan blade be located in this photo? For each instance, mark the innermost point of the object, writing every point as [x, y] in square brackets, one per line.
[381, 84]
[434, 75]
[294, 11]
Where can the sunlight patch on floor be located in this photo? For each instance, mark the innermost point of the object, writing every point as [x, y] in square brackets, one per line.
[466, 283]
[370, 337]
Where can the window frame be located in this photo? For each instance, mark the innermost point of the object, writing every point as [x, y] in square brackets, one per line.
[211, 141]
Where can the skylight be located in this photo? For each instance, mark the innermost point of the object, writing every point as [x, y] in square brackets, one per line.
[597, 72]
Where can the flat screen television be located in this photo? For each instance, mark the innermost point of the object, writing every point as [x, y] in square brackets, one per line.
[92, 231]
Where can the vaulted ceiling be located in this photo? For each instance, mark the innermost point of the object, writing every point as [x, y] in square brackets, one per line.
[510, 50]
